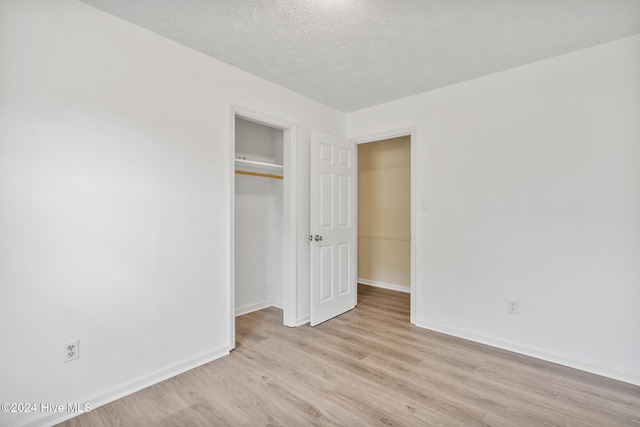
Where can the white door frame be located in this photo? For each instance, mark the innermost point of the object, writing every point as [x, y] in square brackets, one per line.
[290, 213]
[411, 132]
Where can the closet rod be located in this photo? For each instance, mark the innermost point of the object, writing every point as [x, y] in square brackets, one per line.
[263, 175]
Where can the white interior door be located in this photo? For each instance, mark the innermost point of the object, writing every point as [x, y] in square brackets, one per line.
[333, 226]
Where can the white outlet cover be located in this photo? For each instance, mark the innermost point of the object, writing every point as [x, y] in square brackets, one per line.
[513, 306]
[71, 350]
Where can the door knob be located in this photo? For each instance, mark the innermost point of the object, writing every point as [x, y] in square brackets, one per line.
[317, 238]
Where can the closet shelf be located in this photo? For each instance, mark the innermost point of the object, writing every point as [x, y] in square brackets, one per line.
[261, 167]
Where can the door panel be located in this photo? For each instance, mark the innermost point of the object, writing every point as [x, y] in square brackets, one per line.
[326, 200]
[344, 197]
[333, 226]
[344, 270]
[326, 273]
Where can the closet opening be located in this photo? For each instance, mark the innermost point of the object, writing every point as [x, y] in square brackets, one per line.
[263, 216]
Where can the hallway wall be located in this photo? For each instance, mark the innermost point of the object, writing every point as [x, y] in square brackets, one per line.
[384, 213]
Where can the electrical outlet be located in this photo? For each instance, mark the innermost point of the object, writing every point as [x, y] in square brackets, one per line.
[513, 306]
[71, 350]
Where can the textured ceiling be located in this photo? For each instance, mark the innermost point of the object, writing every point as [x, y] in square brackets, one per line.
[352, 54]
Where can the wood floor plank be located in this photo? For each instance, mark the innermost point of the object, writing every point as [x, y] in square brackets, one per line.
[370, 367]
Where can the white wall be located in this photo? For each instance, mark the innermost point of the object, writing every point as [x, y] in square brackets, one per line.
[115, 178]
[258, 221]
[533, 181]
[115, 188]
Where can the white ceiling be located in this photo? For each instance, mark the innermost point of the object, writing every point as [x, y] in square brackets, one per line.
[352, 54]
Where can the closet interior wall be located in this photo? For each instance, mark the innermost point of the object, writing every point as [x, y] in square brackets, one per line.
[258, 220]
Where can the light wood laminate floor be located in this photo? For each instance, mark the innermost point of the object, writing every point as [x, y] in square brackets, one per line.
[371, 367]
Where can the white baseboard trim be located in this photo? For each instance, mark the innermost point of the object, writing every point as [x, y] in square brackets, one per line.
[400, 288]
[125, 389]
[254, 307]
[615, 374]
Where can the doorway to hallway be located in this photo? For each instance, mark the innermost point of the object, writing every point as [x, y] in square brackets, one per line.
[384, 213]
